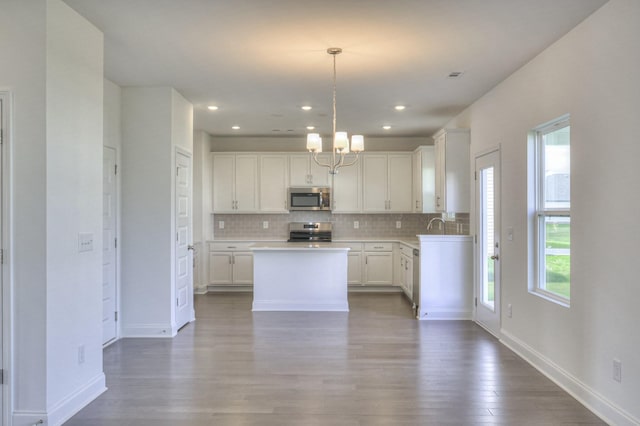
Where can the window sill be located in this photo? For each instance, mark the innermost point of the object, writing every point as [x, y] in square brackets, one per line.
[566, 303]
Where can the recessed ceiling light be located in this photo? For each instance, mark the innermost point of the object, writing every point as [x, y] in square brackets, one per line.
[399, 107]
[212, 107]
[311, 127]
[386, 127]
[235, 127]
[306, 107]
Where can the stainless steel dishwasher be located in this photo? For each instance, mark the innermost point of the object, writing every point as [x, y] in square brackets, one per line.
[416, 282]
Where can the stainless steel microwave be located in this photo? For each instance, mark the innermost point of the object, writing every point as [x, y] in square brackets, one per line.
[310, 198]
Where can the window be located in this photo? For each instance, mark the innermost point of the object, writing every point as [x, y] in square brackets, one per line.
[552, 217]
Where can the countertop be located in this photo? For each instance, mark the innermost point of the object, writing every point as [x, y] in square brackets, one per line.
[285, 246]
[411, 242]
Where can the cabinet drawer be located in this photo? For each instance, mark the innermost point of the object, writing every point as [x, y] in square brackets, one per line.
[378, 246]
[230, 246]
[406, 250]
[352, 246]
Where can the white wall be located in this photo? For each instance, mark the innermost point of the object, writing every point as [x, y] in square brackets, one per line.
[155, 121]
[292, 144]
[52, 65]
[74, 83]
[592, 74]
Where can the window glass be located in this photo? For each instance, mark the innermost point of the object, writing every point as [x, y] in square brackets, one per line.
[553, 204]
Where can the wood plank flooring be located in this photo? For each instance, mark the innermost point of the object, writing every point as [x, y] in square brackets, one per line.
[375, 365]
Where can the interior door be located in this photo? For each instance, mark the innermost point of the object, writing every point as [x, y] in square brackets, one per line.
[184, 247]
[109, 245]
[487, 167]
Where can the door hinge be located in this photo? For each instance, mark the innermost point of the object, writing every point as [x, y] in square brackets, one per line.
[115, 169]
[1, 377]
[475, 238]
[1, 256]
[475, 302]
[475, 175]
[177, 171]
[1, 136]
[177, 302]
[115, 243]
[115, 316]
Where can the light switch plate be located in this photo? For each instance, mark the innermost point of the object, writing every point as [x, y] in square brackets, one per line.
[356, 224]
[221, 224]
[398, 224]
[85, 242]
[265, 224]
[510, 233]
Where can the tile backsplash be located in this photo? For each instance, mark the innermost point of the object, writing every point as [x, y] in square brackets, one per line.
[251, 226]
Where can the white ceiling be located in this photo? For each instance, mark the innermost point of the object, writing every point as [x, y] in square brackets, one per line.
[261, 60]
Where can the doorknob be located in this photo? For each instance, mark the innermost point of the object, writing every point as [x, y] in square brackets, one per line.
[190, 247]
[495, 257]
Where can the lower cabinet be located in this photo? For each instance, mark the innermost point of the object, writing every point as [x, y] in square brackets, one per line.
[354, 265]
[378, 263]
[405, 270]
[230, 264]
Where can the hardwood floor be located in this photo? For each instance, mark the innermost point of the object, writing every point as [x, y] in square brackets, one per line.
[375, 365]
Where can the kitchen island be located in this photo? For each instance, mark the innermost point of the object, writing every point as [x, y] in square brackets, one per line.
[299, 277]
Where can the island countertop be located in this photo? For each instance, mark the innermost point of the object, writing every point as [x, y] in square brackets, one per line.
[297, 246]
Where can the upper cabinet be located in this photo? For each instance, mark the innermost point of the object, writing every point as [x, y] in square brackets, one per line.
[273, 182]
[347, 187]
[424, 196]
[387, 183]
[235, 183]
[452, 170]
[303, 171]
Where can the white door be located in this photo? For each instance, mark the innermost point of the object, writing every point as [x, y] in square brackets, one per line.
[347, 188]
[223, 171]
[184, 247]
[273, 183]
[109, 245]
[374, 181]
[399, 178]
[488, 243]
[246, 183]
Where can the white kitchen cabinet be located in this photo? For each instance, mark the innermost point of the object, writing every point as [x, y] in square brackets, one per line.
[235, 183]
[347, 188]
[354, 259]
[303, 171]
[404, 262]
[378, 263]
[273, 182]
[452, 170]
[387, 183]
[230, 264]
[424, 186]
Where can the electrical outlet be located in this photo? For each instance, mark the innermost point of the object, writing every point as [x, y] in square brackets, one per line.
[85, 242]
[617, 370]
[81, 354]
[398, 224]
[509, 310]
[265, 224]
[221, 224]
[356, 224]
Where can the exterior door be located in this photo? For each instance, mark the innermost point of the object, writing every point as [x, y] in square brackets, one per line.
[487, 167]
[109, 246]
[184, 247]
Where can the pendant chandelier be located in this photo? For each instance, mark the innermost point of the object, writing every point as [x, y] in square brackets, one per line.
[340, 139]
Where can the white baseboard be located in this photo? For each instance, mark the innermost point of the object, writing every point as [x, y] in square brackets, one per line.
[70, 405]
[598, 404]
[149, 330]
[277, 305]
[200, 289]
[432, 315]
[28, 418]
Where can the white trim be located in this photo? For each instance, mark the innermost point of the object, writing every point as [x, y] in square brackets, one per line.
[302, 305]
[70, 405]
[446, 315]
[598, 404]
[7, 269]
[149, 330]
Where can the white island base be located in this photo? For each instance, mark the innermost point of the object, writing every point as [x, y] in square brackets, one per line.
[299, 277]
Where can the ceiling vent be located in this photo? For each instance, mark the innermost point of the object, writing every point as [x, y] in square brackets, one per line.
[455, 74]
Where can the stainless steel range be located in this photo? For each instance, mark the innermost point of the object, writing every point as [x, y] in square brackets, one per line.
[310, 232]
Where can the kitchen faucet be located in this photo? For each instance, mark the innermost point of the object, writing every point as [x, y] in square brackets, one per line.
[430, 224]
